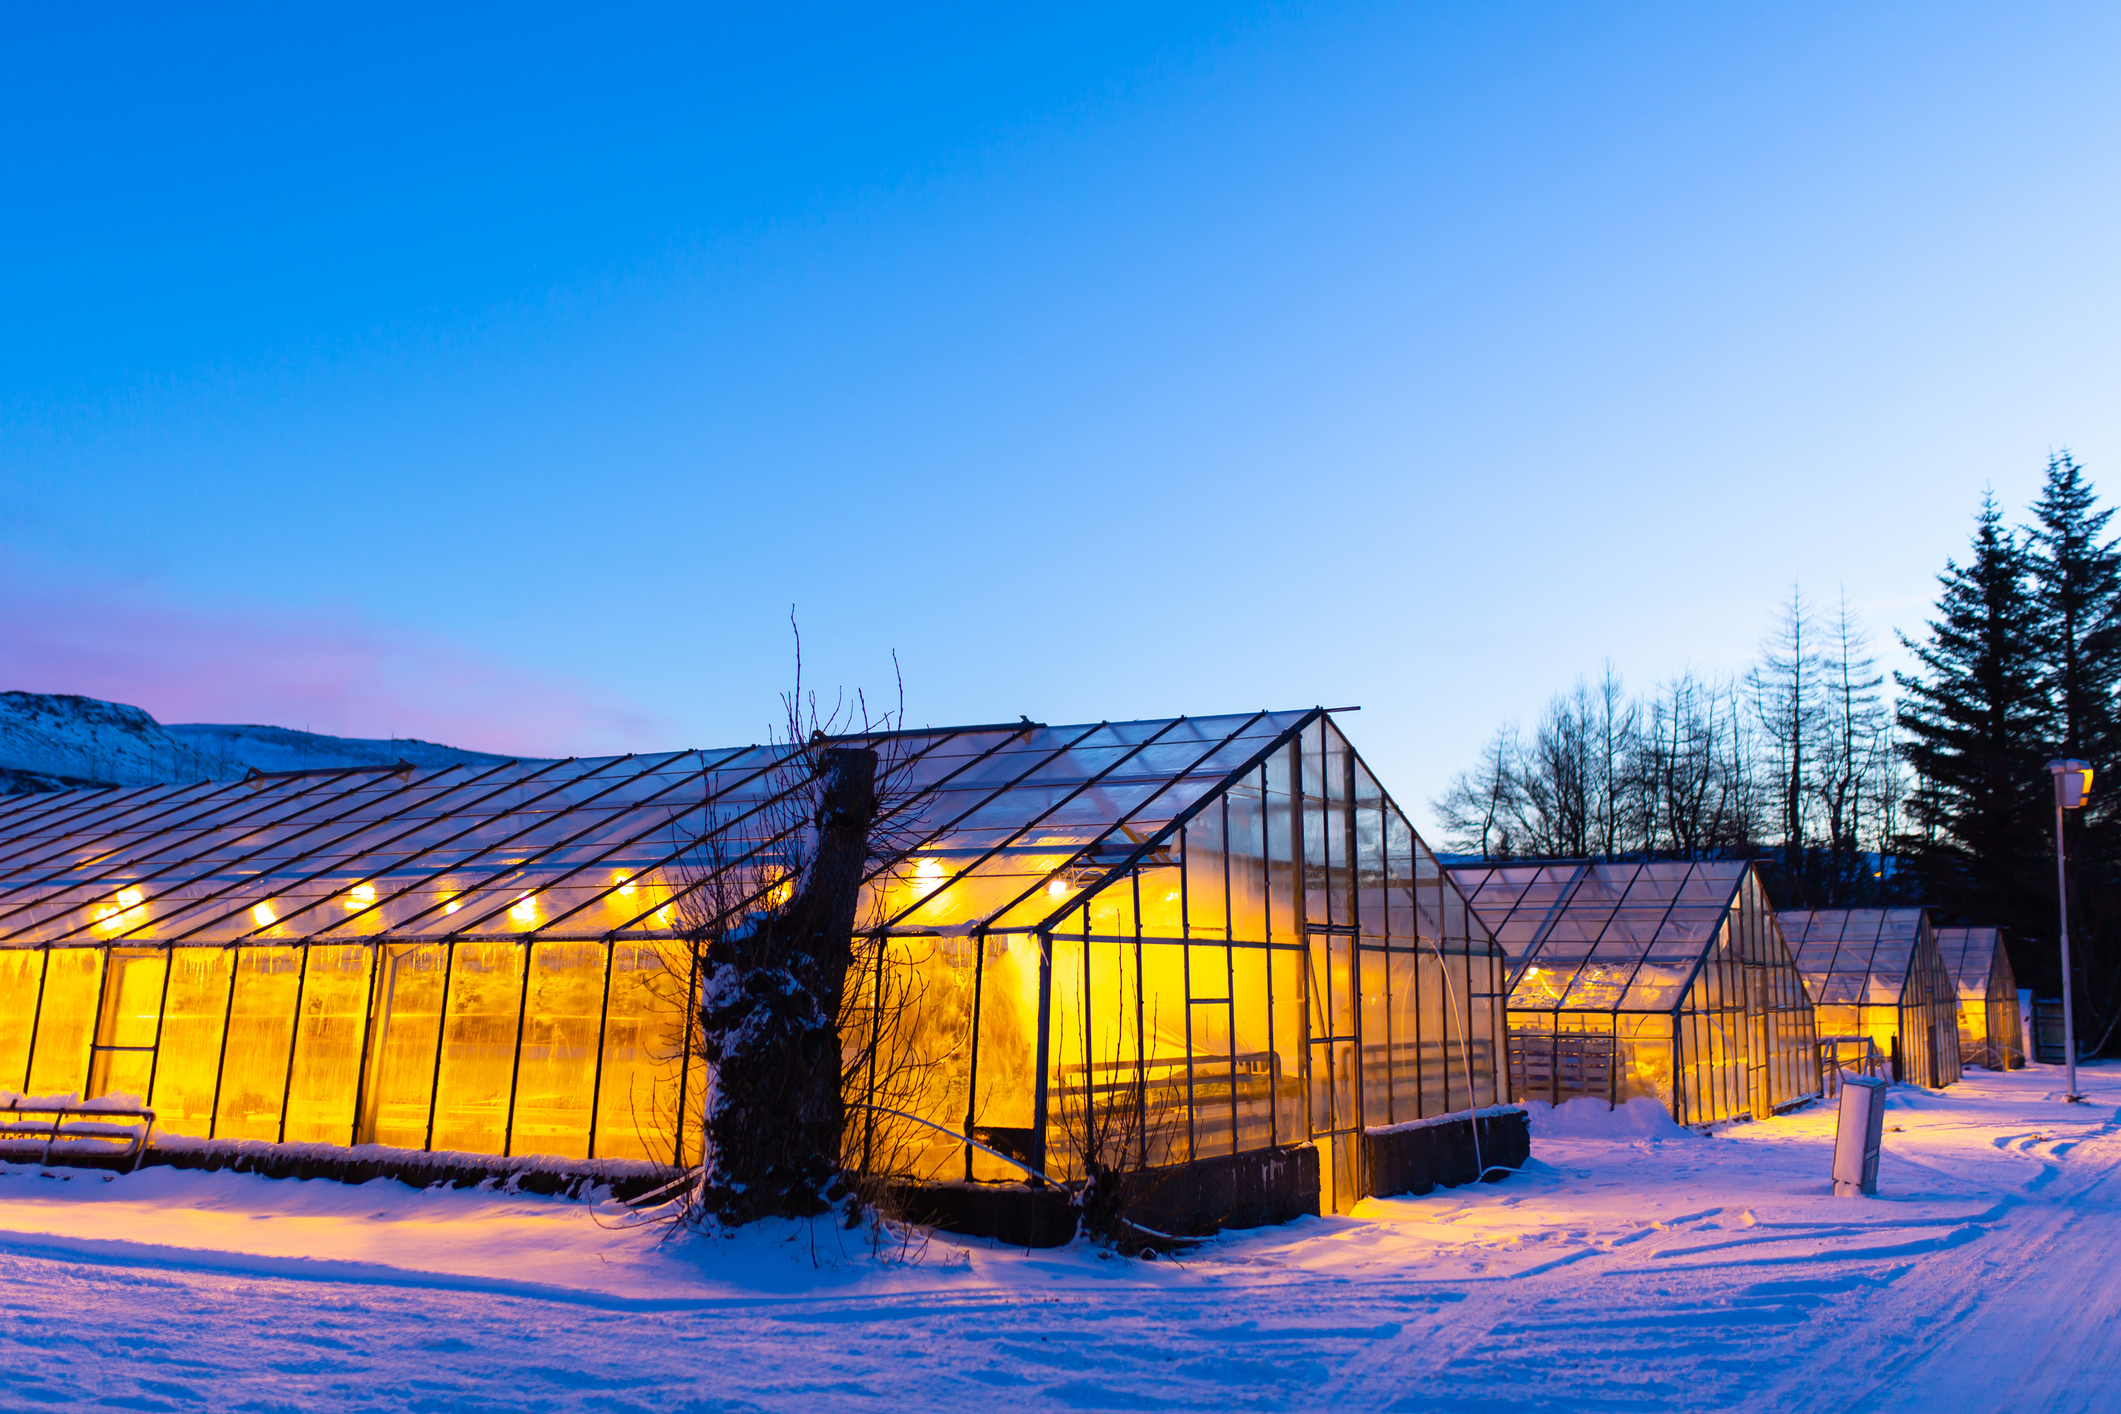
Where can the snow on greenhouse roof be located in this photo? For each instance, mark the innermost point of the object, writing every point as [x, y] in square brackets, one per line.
[1855, 956]
[1602, 936]
[594, 847]
[1969, 956]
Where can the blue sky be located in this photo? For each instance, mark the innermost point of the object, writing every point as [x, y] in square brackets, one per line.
[505, 377]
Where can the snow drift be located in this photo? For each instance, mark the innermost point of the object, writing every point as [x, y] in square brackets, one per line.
[1586, 1118]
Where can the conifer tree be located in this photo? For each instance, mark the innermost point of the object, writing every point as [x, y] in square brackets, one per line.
[2076, 578]
[1974, 724]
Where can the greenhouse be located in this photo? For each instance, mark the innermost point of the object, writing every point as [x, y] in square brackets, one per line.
[1661, 979]
[1875, 974]
[1989, 1029]
[1136, 942]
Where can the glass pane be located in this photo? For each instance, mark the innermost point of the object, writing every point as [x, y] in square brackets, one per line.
[191, 1040]
[1008, 1034]
[1258, 1070]
[21, 969]
[321, 1090]
[64, 1026]
[402, 1051]
[1211, 1081]
[260, 1028]
[1376, 1038]
[123, 1063]
[478, 1047]
[1285, 971]
[644, 1037]
[557, 1074]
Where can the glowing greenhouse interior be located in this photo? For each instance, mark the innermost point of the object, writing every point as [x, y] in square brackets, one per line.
[1173, 939]
[1990, 1031]
[1877, 973]
[1663, 979]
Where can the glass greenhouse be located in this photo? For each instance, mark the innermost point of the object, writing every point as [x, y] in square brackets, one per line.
[1220, 931]
[1876, 973]
[1989, 1029]
[1665, 979]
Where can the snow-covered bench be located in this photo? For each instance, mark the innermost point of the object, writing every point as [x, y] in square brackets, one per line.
[59, 1128]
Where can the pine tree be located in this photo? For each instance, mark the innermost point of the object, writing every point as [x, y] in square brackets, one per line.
[2076, 578]
[1974, 724]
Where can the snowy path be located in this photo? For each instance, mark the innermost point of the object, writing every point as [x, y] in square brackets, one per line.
[1683, 1273]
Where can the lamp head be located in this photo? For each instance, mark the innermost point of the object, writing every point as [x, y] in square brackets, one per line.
[2073, 782]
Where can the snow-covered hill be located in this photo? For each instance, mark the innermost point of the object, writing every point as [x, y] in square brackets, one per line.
[49, 741]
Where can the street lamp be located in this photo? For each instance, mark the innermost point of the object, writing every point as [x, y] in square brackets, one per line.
[2073, 781]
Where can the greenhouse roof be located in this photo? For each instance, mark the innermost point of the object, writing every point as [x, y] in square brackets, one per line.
[1969, 955]
[1008, 825]
[1855, 956]
[1602, 936]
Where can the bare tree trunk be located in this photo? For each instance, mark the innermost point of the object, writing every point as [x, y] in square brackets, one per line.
[769, 1009]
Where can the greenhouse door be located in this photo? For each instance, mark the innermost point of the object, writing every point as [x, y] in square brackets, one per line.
[1336, 1124]
[121, 1060]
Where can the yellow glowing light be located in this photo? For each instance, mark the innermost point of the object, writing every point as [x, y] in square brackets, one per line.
[262, 914]
[627, 887]
[524, 909]
[780, 893]
[359, 897]
[1171, 897]
[119, 914]
[930, 871]
[1058, 888]
[452, 906]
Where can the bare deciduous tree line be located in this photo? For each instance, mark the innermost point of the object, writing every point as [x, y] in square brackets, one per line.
[1791, 761]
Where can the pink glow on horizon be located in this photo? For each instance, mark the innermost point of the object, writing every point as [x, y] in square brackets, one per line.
[316, 671]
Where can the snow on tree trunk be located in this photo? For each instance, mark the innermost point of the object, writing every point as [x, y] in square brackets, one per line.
[769, 1008]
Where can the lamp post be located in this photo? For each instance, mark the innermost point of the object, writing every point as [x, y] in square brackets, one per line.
[2073, 781]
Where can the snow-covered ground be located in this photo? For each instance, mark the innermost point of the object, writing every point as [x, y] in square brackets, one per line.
[1632, 1266]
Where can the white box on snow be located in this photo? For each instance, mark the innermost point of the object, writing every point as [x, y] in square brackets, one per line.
[1859, 1135]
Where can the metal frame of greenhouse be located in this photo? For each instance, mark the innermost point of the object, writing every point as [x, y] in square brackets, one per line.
[1666, 979]
[1222, 924]
[1876, 973]
[1990, 1033]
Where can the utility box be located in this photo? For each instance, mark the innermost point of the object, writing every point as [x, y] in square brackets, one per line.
[1859, 1135]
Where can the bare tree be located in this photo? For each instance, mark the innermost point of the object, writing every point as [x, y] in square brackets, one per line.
[1854, 749]
[1479, 806]
[1554, 792]
[768, 895]
[1785, 690]
[1612, 734]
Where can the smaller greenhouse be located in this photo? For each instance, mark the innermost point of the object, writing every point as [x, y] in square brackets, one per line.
[1667, 979]
[1876, 973]
[1989, 1033]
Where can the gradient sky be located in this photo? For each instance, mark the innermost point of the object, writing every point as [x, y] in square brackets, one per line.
[503, 377]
